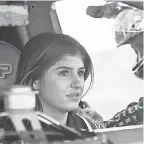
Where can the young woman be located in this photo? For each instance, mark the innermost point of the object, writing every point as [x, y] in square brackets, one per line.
[57, 66]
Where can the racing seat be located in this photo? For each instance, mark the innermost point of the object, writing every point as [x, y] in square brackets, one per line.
[9, 57]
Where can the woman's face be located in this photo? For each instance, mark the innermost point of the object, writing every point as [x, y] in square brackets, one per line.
[62, 85]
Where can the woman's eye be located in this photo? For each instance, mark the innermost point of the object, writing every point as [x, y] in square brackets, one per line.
[81, 73]
[64, 73]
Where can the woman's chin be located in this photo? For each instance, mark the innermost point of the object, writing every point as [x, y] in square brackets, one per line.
[71, 107]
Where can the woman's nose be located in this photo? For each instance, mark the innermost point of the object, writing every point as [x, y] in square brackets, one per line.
[77, 82]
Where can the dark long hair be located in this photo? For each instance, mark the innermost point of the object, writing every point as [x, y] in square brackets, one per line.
[43, 50]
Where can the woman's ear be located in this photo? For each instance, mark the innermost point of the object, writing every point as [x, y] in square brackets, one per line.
[36, 85]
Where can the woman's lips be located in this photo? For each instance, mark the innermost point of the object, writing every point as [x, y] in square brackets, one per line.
[74, 96]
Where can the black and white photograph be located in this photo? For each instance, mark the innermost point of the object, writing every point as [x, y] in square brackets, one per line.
[71, 71]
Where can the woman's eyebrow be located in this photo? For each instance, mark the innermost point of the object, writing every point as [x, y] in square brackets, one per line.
[65, 67]
[82, 68]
